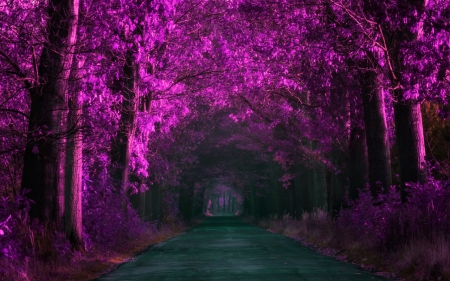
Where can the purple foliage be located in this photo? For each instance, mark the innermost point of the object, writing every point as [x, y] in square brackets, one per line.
[13, 216]
[108, 218]
[390, 223]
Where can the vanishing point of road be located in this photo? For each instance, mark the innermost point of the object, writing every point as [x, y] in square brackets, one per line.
[226, 248]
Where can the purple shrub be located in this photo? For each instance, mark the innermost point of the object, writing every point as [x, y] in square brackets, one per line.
[106, 219]
[14, 233]
[390, 224]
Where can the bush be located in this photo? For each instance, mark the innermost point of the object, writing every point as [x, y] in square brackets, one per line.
[109, 219]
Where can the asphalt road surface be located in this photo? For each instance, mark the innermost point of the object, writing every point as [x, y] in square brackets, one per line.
[226, 248]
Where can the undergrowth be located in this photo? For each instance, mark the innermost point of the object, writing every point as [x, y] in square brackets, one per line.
[36, 251]
[408, 240]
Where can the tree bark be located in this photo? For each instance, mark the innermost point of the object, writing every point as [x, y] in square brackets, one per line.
[123, 143]
[149, 204]
[43, 159]
[253, 199]
[74, 167]
[407, 113]
[378, 148]
[358, 162]
[337, 177]
[410, 143]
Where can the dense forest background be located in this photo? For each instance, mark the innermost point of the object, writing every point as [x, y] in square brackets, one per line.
[121, 116]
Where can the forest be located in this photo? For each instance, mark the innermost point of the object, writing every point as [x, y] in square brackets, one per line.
[122, 118]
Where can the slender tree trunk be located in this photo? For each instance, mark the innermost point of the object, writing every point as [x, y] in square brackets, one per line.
[377, 139]
[43, 160]
[159, 204]
[298, 195]
[311, 188]
[306, 204]
[358, 162]
[339, 154]
[149, 204]
[321, 187]
[253, 199]
[358, 171]
[223, 198]
[218, 204]
[338, 178]
[233, 208]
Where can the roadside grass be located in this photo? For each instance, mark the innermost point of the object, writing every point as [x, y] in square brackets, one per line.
[95, 261]
[416, 259]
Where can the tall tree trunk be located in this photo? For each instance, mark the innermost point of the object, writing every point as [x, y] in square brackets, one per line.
[74, 166]
[407, 113]
[274, 190]
[338, 177]
[339, 156]
[306, 204]
[378, 148]
[410, 143]
[158, 204]
[233, 201]
[298, 195]
[253, 199]
[224, 205]
[43, 160]
[123, 143]
[358, 162]
[149, 204]
[321, 184]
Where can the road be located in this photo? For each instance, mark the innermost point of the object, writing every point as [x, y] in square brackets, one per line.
[226, 248]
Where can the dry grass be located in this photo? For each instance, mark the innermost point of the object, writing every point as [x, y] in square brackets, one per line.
[418, 260]
[92, 264]
[425, 259]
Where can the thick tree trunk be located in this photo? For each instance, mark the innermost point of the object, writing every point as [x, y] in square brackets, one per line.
[74, 165]
[123, 143]
[407, 114]
[43, 160]
[410, 143]
[378, 148]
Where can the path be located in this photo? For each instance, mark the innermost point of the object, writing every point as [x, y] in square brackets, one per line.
[226, 248]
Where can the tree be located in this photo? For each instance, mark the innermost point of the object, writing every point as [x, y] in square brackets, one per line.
[47, 124]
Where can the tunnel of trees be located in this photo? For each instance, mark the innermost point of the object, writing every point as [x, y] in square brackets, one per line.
[113, 112]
